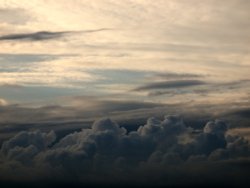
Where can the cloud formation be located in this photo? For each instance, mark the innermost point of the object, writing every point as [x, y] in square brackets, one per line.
[173, 75]
[3, 102]
[14, 16]
[110, 151]
[45, 35]
[42, 35]
[170, 84]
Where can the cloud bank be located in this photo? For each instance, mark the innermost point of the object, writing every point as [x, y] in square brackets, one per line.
[167, 151]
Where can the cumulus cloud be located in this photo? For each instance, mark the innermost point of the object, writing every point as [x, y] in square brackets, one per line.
[108, 150]
[26, 139]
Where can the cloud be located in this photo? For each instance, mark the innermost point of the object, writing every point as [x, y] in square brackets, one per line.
[242, 113]
[173, 75]
[110, 151]
[78, 113]
[170, 84]
[3, 102]
[15, 16]
[29, 58]
[25, 139]
[42, 35]
[45, 35]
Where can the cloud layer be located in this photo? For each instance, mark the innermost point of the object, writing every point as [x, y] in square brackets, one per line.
[200, 42]
[107, 153]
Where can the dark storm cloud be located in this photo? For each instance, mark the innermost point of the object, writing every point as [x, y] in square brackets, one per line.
[170, 84]
[167, 151]
[45, 35]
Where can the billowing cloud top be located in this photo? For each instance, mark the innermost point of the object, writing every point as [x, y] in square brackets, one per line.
[108, 150]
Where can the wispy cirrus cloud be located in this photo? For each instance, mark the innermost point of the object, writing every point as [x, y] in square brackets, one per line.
[45, 35]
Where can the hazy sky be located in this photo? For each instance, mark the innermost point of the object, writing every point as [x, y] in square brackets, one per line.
[111, 49]
[64, 63]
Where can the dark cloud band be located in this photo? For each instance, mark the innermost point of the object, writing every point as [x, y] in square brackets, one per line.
[45, 35]
[170, 84]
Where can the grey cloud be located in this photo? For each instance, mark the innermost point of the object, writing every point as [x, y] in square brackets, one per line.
[217, 127]
[45, 35]
[116, 106]
[111, 106]
[177, 48]
[211, 88]
[14, 16]
[243, 113]
[78, 114]
[42, 35]
[29, 58]
[234, 84]
[25, 139]
[170, 84]
[11, 86]
[106, 149]
[65, 119]
[172, 75]
[22, 62]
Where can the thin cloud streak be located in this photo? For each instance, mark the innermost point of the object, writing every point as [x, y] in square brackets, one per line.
[170, 84]
[46, 35]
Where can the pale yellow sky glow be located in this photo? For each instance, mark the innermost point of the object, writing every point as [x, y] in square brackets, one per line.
[89, 44]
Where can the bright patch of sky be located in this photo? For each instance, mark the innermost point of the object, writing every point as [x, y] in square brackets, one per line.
[109, 48]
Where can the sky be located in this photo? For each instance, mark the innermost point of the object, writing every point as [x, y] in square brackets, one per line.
[64, 65]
